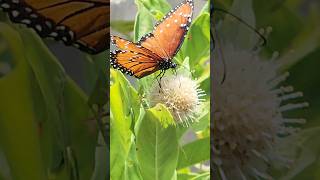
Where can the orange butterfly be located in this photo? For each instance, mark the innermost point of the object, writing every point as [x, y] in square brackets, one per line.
[155, 50]
[83, 24]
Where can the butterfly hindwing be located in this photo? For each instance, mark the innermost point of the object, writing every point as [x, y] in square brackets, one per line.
[133, 63]
[169, 33]
[83, 24]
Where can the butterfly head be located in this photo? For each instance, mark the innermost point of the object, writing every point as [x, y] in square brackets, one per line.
[173, 65]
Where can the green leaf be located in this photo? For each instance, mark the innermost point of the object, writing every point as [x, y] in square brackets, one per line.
[185, 176]
[101, 162]
[4, 166]
[156, 7]
[203, 176]
[79, 122]
[119, 137]
[203, 119]
[98, 79]
[304, 144]
[286, 23]
[123, 27]
[129, 96]
[143, 23]
[99, 95]
[67, 111]
[236, 32]
[197, 44]
[157, 147]
[19, 139]
[120, 124]
[303, 44]
[133, 171]
[189, 153]
[308, 83]
[49, 81]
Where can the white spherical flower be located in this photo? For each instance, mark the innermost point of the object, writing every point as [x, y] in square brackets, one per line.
[248, 115]
[180, 94]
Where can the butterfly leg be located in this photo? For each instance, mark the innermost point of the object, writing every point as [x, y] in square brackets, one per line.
[159, 81]
[162, 74]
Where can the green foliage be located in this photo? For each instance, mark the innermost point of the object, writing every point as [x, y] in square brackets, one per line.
[124, 27]
[45, 117]
[146, 143]
[188, 151]
[157, 145]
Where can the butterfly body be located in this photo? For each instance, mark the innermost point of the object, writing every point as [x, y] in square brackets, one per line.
[166, 64]
[155, 50]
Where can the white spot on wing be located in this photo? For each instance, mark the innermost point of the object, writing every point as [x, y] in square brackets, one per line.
[26, 21]
[28, 9]
[48, 23]
[71, 34]
[5, 6]
[33, 15]
[61, 28]
[15, 13]
[54, 34]
[38, 27]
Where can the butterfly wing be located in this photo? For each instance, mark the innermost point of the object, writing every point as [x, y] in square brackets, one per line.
[130, 46]
[169, 33]
[133, 59]
[133, 63]
[83, 24]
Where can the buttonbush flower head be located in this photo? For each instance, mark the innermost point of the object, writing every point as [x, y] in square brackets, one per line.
[248, 115]
[181, 95]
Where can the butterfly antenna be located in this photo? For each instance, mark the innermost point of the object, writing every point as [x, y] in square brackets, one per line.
[213, 37]
[264, 40]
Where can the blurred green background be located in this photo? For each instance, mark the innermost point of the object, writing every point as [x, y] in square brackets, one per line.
[52, 106]
[296, 36]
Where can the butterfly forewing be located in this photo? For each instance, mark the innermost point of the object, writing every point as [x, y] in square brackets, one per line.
[130, 46]
[80, 23]
[169, 33]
